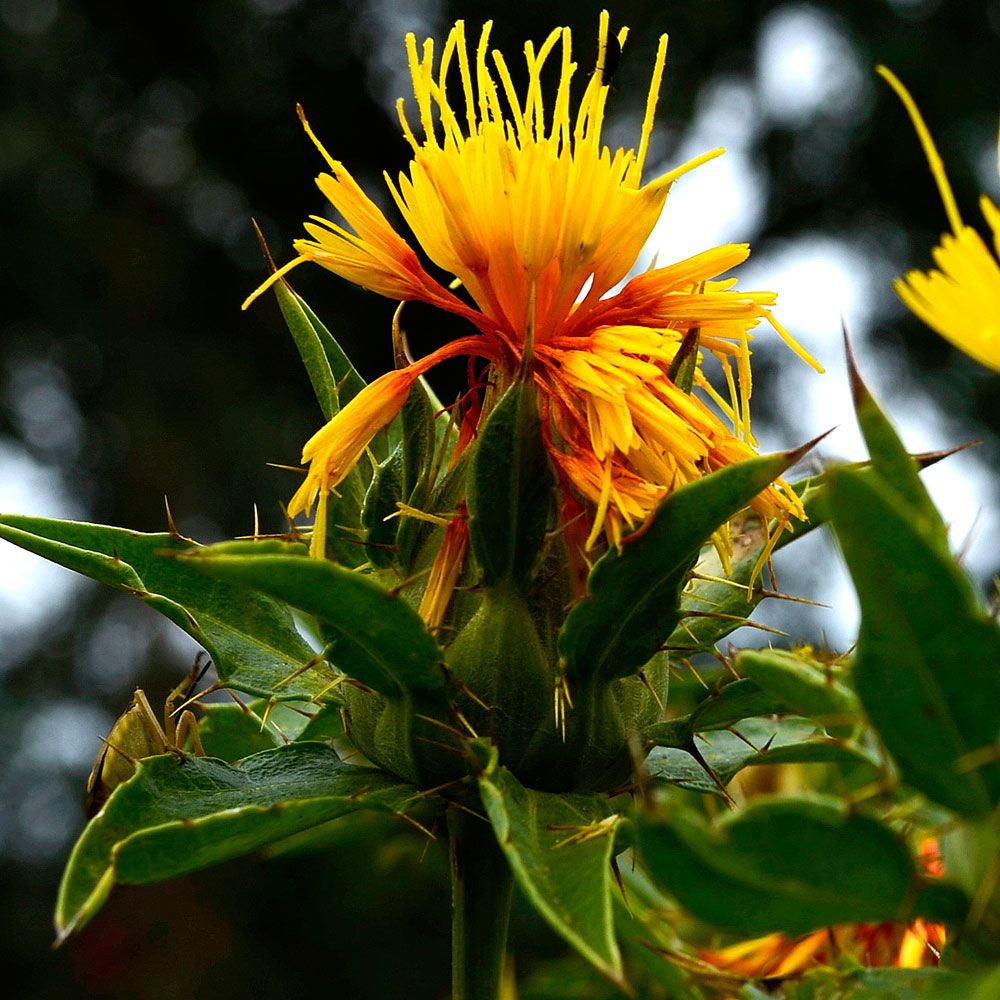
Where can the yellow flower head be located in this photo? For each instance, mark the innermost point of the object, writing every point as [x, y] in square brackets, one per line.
[961, 298]
[539, 222]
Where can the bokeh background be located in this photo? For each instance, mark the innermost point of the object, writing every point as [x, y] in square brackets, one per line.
[136, 144]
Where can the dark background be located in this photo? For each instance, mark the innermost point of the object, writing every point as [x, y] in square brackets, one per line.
[132, 156]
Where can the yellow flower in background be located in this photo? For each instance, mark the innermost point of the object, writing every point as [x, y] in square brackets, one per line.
[539, 223]
[777, 956]
[961, 298]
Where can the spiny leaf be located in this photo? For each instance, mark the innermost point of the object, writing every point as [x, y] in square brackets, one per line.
[418, 437]
[252, 639]
[926, 666]
[176, 816]
[379, 515]
[343, 520]
[729, 601]
[417, 444]
[737, 700]
[510, 490]
[734, 701]
[380, 640]
[633, 596]
[232, 731]
[801, 684]
[349, 382]
[890, 459]
[334, 381]
[780, 864]
[307, 340]
[565, 875]
[751, 743]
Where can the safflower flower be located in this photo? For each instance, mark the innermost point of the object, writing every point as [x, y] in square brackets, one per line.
[540, 223]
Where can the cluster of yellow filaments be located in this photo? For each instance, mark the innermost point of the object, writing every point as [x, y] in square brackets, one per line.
[539, 223]
[960, 300]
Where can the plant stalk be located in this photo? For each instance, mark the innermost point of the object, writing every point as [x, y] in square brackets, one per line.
[481, 890]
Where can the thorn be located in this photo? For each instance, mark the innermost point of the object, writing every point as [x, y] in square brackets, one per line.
[281, 536]
[400, 345]
[256, 523]
[966, 546]
[405, 510]
[463, 688]
[455, 804]
[926, 458]
[744, 622]
[171, 526]
[739, 735]
[457, 751]
[617, 872]
[268, 709]
[196, 698]
[265, 250]
[694, 575]
[562, 701]
[428, 792]
[797, 454]
[336, 682]
[457, 712]
[641, 781]
[859, 390]
[707, 768]
[644, 680]
[692, 596]
[293, 531]
[698, 676]
[427, 843]
[200, 667]
[691, 634]
[777, 595]
[409, 581]
[243, 705]
[423, 829]
[586, 833]
[450, 730]
[287, 468]
[304, 668]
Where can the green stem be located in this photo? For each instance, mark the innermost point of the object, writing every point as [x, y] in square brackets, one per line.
[481, 889]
